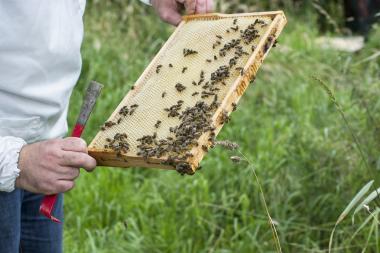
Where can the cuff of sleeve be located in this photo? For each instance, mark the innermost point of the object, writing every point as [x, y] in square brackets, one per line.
[146, 2]
[10, 170]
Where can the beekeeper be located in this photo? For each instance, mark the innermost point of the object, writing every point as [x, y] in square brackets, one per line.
[40, 63]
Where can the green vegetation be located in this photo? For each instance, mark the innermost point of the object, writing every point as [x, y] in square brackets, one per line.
[308, 164]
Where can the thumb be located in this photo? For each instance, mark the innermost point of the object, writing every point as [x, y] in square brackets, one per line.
[172, 17]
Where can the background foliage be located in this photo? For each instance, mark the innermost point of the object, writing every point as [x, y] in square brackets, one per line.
[305, 157]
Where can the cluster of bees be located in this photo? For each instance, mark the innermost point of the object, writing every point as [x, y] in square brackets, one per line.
[119, 143]
[194, 121]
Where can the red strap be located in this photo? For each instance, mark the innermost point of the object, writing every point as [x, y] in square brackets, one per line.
[48, 203]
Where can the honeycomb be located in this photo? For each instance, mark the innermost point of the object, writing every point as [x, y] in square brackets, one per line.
[206, 65]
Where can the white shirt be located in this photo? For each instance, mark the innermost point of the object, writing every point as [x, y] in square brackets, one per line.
[40, 63]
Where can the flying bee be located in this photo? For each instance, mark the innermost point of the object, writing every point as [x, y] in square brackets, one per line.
[236, 159]
[219, 37]
[163, 94]
[184, 70]
[170, 65]
[209, 61]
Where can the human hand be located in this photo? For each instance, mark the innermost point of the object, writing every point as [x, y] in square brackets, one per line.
[170, 10]
[50, 167]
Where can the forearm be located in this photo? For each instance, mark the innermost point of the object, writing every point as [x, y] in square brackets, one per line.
[9, 153]
[170, 10]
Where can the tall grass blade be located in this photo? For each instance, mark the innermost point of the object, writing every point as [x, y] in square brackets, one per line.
[369, 237]
[317, 5]
[355, 200]
[270, 220]
[354, 137]
[365, 202]
[376, 212]
[350, 206]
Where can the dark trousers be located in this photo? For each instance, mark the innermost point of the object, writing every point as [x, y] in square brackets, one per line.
[361, 14]
[23, 229]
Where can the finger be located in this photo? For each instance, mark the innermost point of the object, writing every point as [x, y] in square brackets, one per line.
[200, 7]
[78, 160]
[74, 144]
[64, 186]
[69, 173]
[209, 6]
[171, 16]
[190, 6]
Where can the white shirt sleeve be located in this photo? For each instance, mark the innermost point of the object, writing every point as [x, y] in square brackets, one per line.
[146, 2]
[9, 153]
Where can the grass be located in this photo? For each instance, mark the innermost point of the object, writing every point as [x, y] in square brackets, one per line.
[304, 156]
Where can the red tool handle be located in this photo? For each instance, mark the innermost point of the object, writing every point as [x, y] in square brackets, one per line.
[48, 203]
[93, 91]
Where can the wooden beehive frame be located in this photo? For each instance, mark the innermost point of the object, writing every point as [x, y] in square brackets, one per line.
[108, 158]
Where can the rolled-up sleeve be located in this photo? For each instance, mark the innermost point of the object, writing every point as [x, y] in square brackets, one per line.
[10, 148]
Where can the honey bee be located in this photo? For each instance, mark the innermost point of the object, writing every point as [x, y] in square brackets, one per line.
[179, 87]
[158, 68]
[158, 123]
[234, 106]
[236, 159]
